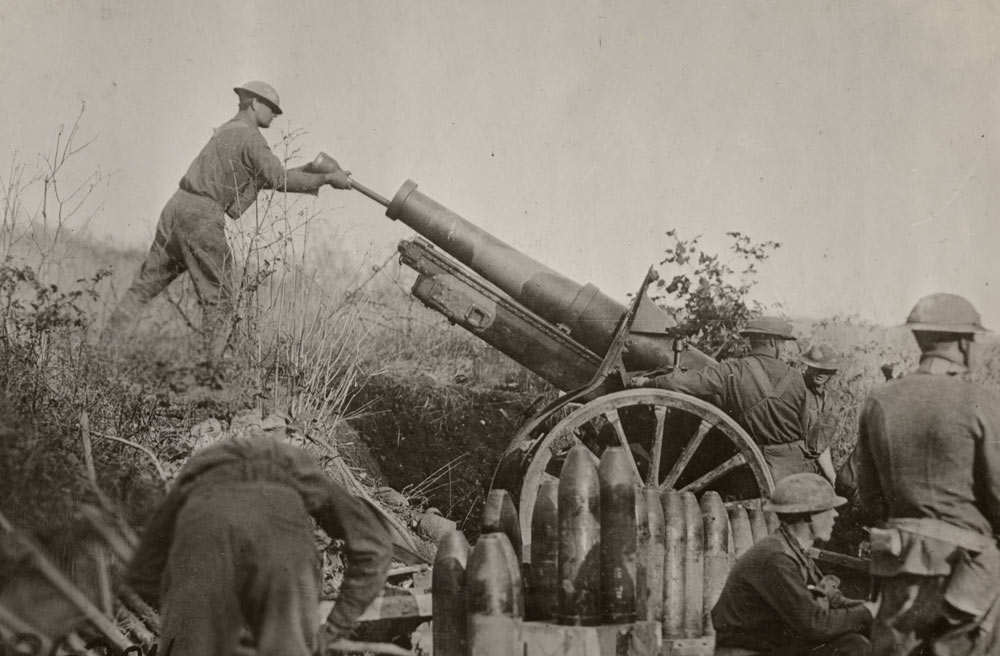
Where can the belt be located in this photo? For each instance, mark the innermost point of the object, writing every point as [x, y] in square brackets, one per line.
[201, 197]
[782, 446]
[929, 527]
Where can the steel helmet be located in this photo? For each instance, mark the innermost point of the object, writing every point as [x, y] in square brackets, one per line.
[264, 92]
[803, 493]
[770, 326]
[822, 356]
[944, 313]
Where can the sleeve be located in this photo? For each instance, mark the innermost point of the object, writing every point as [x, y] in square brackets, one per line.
[145, 570]
[270, 173]
[708, 385]
[869, 488]
[785, 591]
[847, 476]
[367, 544]
[987, 472]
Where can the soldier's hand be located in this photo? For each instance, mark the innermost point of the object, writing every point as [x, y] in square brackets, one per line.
[639, 381]
[339, 179]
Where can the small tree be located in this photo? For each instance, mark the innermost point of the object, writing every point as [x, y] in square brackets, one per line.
[711, 297]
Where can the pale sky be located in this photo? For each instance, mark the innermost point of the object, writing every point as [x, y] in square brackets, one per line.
[861, 135]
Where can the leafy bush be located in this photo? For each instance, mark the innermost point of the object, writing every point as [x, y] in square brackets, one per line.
[710, 295]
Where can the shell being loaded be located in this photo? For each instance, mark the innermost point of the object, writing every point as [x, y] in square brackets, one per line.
[579, 540]
[618, 537]
[543, 579]
[589, 315]
[449, 622]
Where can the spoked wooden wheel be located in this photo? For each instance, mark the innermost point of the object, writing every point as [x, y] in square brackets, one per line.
[675, 442]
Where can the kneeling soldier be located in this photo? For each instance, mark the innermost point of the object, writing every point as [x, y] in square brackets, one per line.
[775, 600]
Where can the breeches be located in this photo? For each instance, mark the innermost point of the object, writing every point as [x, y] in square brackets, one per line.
[190, 236]
[243, 555]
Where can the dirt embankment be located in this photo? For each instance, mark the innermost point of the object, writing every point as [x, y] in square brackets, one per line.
[438, 444]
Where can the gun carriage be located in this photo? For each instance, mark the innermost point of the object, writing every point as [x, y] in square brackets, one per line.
[587, 345]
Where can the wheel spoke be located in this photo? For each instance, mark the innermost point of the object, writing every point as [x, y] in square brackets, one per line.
[685, 457]
[616, 421]
[654, 464]
[704, 481]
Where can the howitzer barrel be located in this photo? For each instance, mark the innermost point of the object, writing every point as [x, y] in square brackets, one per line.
[589, 315]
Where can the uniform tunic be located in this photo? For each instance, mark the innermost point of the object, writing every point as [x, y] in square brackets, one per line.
[232, 543]
[767, 604]
[775, 418]
[190, 236]
[928, 462]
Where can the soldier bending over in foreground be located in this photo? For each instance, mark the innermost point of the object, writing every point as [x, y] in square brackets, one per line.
[232, 545]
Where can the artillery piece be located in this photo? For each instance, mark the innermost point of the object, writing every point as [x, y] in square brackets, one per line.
[585, 344]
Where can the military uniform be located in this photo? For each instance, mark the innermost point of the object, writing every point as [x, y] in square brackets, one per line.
[820, 424]
[232, 545]
[765, 396]
[928, 461]
[776, 601]
[190, 236]
[224, 179]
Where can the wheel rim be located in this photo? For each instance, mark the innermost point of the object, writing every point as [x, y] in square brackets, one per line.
[697, 446]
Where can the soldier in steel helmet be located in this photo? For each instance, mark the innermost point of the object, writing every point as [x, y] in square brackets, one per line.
[222, 180]
[822, 363]
[775, 600]
[928, 468]
[765, 396]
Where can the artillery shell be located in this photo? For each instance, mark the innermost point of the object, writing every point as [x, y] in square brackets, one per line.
[579, 540]
[642, 555]
[618, 536]
[543, 582]
[739, 528]
[655, 555]
[500, 516]
[491, 586]
[448, 586]
[758, 525]
[716, 553]
[490, 581]
[771, 520]
[694, 566]
[674, 543]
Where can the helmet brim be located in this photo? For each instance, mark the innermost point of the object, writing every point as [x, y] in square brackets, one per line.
[820, 365]
[959, 329]
[274, 108]
[765, 333]
[799, 508]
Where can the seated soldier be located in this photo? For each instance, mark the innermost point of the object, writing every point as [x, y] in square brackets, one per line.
[775, 601]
